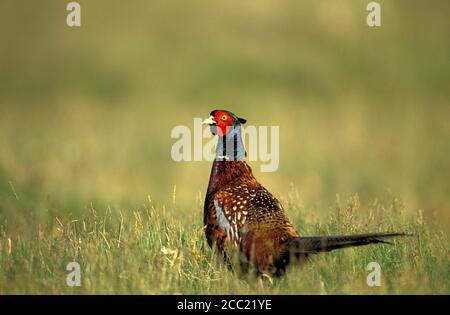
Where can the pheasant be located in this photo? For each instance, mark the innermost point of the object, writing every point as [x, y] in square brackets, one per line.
[240, 213]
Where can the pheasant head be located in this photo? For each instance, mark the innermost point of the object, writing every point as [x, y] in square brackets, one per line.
[223, 121]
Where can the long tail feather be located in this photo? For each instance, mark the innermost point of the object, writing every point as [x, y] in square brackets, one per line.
[314, 244]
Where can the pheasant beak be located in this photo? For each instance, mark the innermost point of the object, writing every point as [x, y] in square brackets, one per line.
[209, 121]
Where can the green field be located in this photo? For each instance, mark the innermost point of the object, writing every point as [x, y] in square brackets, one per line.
[86, 115]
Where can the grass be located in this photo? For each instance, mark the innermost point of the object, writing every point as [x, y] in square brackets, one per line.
[154, 250]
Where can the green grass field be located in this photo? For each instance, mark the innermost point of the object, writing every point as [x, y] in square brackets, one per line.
[86, 116]
[154, 250]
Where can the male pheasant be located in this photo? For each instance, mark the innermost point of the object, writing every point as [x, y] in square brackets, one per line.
[239, 212]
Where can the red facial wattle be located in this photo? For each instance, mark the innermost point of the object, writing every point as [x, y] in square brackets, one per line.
[224, 122]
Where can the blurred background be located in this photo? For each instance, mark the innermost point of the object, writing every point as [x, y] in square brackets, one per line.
[86, 113]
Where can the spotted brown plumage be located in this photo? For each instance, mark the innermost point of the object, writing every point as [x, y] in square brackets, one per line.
[241, 215]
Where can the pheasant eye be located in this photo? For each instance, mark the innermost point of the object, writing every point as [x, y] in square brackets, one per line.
[224, 117]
